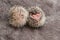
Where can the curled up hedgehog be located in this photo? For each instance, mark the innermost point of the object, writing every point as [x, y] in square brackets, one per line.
[18, 16]
[37, 17]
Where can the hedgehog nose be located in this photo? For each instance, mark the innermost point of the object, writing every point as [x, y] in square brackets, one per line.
[34, 12]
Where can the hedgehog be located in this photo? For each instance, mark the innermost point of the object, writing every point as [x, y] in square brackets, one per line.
[37, 17]
[18, 16]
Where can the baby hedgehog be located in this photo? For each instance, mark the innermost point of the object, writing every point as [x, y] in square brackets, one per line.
[18, 16]
[36, 17]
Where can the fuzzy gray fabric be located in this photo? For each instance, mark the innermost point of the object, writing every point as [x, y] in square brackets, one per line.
[50, 31]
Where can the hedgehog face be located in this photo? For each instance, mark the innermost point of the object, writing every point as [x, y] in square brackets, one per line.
[35, 14]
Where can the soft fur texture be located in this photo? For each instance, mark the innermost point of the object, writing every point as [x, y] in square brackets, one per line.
[50, 31]
[18, 16]
[34, 23]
